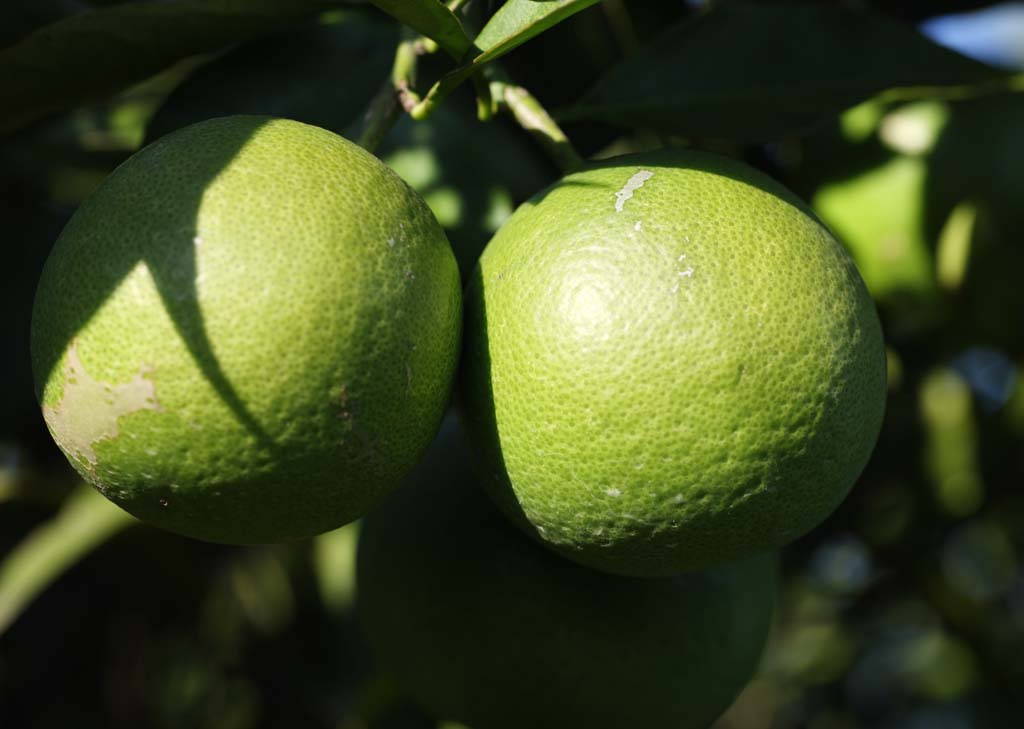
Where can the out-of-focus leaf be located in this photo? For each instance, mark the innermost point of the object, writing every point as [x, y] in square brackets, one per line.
[323, 75]
[18, 18]
[859, 122]
[980, 155]
[432, 19]
[516, 22]
[979, 159]
[259, 582]
[879, 215]
[334, 563]
[471, 194]
[1013, 413]
[951, 451]
[939, 666]
[913, 129]
[84, 522]
[979, 560]
[814, 652]
[755, 72]
[954, 245]
[97, 52]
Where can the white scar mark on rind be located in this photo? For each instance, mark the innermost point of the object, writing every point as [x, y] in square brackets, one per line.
[633, 184]
[89, 409]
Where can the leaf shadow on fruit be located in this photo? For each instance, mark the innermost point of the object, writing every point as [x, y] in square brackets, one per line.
[475, 400]
[479, 421]
[470, 174]
[170, 258]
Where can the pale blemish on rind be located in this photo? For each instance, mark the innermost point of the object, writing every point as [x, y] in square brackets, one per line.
[633, 184]
[89, 409]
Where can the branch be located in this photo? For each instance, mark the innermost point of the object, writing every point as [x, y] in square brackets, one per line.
[395, 96]
[535, 119]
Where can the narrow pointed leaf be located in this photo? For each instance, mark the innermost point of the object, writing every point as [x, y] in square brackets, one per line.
[754, 72]
[516, 22]
[316, 73]
[432, 19]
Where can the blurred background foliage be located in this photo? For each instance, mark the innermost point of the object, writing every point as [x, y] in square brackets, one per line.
[905, 609]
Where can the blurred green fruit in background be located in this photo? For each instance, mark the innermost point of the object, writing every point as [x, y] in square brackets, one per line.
[480, 625]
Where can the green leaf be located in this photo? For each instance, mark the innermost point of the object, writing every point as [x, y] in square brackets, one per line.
[84, 522]
[95, 53]
[320, 74]
[18, 18]
[516, 22]
[879, 215]
[432, 19]
[754, 72]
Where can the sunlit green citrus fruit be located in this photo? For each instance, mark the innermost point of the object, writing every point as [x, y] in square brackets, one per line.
[480, 625]
[248, 333]
[669, 363]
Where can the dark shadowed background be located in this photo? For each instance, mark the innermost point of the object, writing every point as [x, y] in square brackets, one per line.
[904, 610]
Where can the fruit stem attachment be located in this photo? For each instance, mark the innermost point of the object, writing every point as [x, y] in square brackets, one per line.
[535, 119]
[395, 96]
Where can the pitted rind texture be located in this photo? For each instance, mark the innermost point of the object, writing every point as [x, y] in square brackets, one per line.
[289, 305]
[673, 374]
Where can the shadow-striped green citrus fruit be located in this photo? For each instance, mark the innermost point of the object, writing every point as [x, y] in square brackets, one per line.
[669, 363]
[480, 625]
[248, 333]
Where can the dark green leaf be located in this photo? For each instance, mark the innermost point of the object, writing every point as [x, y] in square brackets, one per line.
[18, 18]
[320, 74]
[432, 19]
[754, 72]
[95, 53]
[516, 22]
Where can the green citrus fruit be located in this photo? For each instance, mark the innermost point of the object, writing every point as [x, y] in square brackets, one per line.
[248, 333]
[669, 363]
[480, 625]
